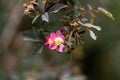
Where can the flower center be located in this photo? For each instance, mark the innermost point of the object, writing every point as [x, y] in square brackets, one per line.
[58, 41]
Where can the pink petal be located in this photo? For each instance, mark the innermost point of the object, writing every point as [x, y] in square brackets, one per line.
[61, 48]
[52, 35]
[59, 33]
[47, 37]
[53, 47]
[46, 43]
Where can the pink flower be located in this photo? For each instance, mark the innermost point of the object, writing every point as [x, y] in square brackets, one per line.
[30, 78]
[55, 41]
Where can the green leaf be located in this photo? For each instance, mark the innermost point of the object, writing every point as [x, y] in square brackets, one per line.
[105, 12]
[44, 1]
[30, 36]
[30, 39]
[57, 7]
[41, 6]
[29, 33]
[38, 48]
[71, 2]
[35, 18]
[36, 32]
[45, 17]
[41, 49]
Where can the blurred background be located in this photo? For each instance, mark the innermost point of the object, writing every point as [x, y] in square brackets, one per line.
[96, 60]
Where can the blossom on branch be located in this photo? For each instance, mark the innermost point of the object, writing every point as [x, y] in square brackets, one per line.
[55, 41]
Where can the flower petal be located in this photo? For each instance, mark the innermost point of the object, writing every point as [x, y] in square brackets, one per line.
[53, 47]
[46, 43]
[52, 35]
[59, 33]
[47, 37]
[61, 48]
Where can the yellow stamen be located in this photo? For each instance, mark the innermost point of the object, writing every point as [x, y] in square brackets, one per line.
[58, 41]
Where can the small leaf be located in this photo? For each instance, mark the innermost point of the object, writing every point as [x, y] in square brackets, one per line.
[40, 50]
[29, 34]
[89, 6]
[92, 35]
[57, 7]
[45, 17]
[44, 1]
[71, 2]
[84, 19]
[36, 32]
[42, 6]
[89, 25]
[105, 12]
[30, 39]
[93, 26]
[35, 18]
